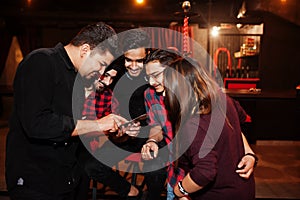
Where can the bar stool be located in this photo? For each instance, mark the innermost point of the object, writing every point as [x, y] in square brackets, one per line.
[133, 161]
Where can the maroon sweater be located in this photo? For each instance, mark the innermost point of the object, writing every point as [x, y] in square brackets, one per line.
[215, 151]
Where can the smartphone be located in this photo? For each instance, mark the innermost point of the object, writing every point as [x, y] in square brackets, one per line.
[135, 120]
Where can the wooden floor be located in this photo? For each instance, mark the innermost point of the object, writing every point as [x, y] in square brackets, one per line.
[277, 175]
[278, 172]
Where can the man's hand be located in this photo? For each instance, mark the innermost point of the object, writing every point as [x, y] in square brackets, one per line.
[110, 123]
[133, 129]
[104, 125]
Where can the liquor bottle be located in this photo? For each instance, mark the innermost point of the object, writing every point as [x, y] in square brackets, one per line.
[243, 74]
[238, 73]
[227, 72]
[247, 72]
[233, 73]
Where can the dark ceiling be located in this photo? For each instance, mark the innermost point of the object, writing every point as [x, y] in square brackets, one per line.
[125, 13]
[121, 12]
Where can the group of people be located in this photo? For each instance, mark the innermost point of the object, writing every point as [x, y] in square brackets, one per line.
[67, 99]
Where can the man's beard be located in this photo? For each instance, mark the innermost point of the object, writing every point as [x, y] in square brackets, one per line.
[99, 88]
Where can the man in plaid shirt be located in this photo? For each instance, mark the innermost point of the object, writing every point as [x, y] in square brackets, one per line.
[97, 105]
[99, 96]
[158, 117]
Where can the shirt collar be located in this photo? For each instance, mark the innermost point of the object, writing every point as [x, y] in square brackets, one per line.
[64, 55]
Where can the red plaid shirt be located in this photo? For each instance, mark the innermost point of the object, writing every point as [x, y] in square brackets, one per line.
[97, 105]
[158, 115]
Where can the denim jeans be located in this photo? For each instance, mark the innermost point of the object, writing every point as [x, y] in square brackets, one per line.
[170, 193]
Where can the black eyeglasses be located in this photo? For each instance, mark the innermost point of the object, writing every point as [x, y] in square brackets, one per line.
[154, 76]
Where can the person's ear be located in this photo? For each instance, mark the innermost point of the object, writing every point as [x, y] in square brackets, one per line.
[85, 50]
[147, 51]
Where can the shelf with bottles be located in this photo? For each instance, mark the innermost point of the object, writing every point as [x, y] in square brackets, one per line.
[247, 64]
[241, 72]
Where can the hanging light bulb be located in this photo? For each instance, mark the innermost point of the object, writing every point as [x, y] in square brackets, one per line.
[140, 2]
[29, 3]
[215, 31]
[186, 6]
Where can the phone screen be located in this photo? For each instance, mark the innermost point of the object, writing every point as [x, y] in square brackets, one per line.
[135, 120]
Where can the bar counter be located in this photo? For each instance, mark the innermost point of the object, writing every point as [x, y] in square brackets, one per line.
[257, 93]
[275, 114]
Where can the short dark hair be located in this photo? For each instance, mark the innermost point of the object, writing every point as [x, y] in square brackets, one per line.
[165, 57]
[135, 38]
[98, 35]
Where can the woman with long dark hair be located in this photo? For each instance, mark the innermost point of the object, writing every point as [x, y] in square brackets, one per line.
[208, 139]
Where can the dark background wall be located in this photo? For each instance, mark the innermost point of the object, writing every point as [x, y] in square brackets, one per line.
[274, 117]
[44, 23]
[280, 54]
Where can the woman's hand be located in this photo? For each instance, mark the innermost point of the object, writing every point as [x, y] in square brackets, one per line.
[246, 166]
[149, 150]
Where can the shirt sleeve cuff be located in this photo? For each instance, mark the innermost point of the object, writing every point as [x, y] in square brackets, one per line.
[68, 124]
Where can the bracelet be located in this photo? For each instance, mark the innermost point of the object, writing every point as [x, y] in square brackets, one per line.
[181, 189]
[254, 156]
[152, 140]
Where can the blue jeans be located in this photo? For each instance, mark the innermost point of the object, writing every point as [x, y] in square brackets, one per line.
[170, 193]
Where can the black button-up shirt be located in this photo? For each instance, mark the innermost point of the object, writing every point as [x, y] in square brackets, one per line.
[40, 151]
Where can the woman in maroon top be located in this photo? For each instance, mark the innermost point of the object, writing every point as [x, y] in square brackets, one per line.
[208, 135]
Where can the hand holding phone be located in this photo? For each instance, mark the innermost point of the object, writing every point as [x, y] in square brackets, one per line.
[135, 120]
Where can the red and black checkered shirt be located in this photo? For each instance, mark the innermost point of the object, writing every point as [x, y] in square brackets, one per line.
[158, 115]
[97, 105]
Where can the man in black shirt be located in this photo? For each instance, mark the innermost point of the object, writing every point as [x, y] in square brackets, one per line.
[41, 143]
